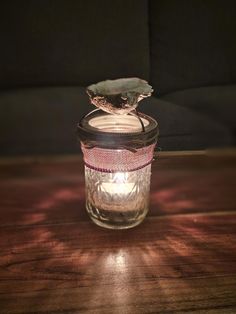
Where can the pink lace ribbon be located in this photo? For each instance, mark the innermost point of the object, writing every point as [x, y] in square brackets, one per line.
[111, 160]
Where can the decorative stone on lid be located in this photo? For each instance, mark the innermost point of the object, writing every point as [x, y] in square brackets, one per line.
[119, 96]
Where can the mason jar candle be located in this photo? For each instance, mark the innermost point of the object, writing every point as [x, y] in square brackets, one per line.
[118, 152]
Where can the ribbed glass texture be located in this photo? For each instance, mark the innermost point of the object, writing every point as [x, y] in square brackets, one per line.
[117, 200]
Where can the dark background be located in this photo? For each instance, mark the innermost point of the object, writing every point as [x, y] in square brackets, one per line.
[51, 50]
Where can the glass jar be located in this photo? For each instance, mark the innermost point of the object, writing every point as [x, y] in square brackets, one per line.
[118, 152]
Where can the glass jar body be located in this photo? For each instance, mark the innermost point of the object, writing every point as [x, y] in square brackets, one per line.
[118, 152]
[117, 200]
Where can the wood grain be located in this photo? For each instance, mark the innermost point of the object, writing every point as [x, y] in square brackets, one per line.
[182, 259]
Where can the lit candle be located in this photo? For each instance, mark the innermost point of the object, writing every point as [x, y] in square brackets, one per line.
[119, 185]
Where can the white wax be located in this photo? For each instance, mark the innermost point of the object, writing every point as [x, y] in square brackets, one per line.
[119, 184]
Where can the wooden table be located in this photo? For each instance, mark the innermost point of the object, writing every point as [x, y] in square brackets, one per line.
[182, 258]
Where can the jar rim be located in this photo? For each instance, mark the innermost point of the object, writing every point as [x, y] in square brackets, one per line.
[91, 136]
